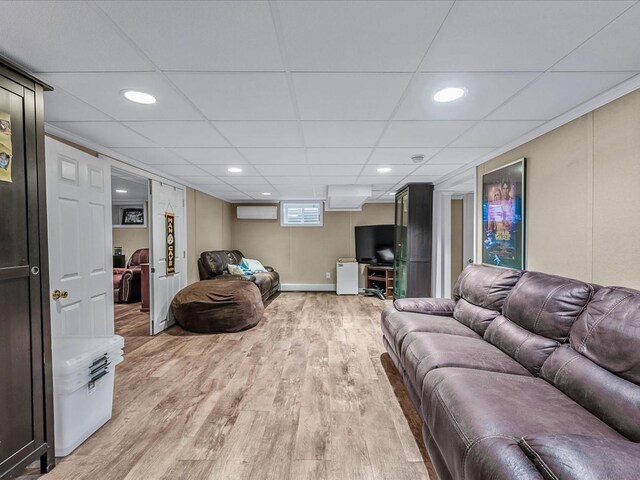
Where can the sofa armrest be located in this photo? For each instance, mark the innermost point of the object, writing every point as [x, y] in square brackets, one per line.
[581, 457]
[268, 268]
[433, 306]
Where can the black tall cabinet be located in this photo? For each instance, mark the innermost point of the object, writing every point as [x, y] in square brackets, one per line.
[26, 398]
[413, 240]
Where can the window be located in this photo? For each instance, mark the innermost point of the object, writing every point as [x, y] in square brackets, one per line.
[301, 214]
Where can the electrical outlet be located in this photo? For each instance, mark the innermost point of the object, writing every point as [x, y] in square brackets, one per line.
[328, 274]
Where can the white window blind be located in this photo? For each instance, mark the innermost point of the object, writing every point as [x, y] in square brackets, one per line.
[301, 214]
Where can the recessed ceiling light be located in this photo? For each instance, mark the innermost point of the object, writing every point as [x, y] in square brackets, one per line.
[234, 169]
[392, 193]
[384, 169]
[266, 193]
[449, 94]
[139, 97]
[120, 190]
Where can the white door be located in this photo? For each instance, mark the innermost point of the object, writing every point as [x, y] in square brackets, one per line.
[166, 199]
[79, 228]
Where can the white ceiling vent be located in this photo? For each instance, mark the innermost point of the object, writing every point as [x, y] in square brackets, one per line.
[347, 197]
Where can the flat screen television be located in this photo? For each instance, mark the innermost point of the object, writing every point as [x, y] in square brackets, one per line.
[374, 244]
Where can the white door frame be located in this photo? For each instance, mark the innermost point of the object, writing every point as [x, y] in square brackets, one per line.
[461, 186]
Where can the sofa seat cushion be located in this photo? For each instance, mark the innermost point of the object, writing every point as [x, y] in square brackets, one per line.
[576, 457]
[466, 410]
[396, 325]
[423, 352]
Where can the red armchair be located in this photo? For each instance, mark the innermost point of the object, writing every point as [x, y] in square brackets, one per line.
[127, 283]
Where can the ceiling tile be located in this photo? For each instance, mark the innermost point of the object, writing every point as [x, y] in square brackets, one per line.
[423, 178]
[372, 170]
[485, 93]
[202, 180]
[179, 134]
[222, 188]
[494, 133]
[254, 187]
[237, 96]
[334, 180]
[333, 170]
[433, 171]
[211, 156]
[214, 36]
[48, 36]
[221, 171]
[284, 170]
[337, 156]
[556, 93]
[348, 96]
[280, 156]
[62, 107]
[180, 170]
[245, 181]
[305, 190]
[342, 134]
[492, 35]
[107, 134]
[394, 156]
[261, 134]
[423, 134]
[621, 36]
[458, 156]
[359, 36]
[152, 156]
[376, 179]
[289, 180]
[104, 92]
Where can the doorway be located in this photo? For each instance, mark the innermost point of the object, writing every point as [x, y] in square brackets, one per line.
[131, 241]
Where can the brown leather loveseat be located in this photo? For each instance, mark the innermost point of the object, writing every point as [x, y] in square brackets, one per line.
[214, 263]
[523, 375]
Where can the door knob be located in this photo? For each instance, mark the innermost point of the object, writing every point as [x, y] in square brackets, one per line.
[57, 294]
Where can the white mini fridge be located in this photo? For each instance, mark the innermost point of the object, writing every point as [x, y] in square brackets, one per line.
[347, 278]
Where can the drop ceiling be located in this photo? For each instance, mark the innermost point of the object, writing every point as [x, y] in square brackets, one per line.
[303, 95]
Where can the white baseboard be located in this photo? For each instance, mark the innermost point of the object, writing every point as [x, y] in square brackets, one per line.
[308, 287]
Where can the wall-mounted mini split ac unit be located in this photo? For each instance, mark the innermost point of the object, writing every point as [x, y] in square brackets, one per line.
[251, 212]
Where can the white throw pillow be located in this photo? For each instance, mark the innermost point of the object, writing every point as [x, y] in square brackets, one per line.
[254, 265]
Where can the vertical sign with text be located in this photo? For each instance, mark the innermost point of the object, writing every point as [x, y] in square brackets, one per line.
[171, 243]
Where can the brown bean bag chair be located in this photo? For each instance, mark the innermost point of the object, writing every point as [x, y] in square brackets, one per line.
[212, 306]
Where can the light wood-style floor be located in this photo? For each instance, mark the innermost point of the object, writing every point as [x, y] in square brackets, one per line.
[307, 394]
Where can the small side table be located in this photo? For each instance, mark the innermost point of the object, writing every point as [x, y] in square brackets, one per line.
[119, 261]
[144, 284]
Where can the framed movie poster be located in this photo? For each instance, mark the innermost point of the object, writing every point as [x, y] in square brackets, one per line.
[503, 216]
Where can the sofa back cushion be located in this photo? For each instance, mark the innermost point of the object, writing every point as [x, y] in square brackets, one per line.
[608, 332]
[214, 262]
[480, 292]
[537, 317]
[614, 400]
[547, 305]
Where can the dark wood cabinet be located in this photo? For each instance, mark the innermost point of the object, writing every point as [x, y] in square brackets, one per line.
[413, 241]
[26, 394]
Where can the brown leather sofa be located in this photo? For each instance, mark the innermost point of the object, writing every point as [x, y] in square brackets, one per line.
[127, 282]
[213, 265]
[523, 375]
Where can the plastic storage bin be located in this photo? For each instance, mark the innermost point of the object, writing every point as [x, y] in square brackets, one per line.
[83, 379]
